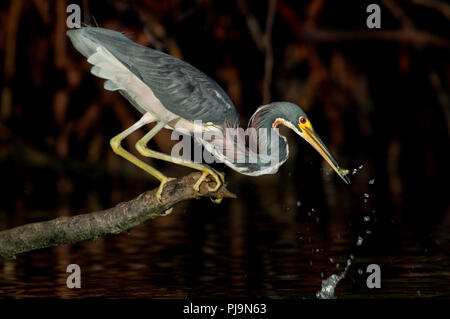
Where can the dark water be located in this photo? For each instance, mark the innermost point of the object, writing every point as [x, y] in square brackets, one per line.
[204, 250]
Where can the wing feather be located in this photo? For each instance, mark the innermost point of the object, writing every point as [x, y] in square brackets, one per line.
[181, 88]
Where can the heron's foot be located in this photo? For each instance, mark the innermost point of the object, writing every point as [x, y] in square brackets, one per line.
[161, 187]
[167, 212]
[217, 200]
[219, 179]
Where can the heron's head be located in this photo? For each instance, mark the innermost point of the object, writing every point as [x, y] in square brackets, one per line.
[292, 116]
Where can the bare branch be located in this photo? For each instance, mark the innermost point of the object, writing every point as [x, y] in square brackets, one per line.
[440, 6]
[124, 216]
[268, 61]
[12, 26]
[397, 11]
[252, 25]
[407, 36]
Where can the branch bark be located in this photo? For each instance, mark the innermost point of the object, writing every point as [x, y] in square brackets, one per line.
[122, 217]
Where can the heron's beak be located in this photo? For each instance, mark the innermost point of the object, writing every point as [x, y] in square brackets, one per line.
[312, 138]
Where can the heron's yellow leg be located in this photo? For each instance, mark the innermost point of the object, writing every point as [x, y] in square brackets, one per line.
[115, 143]
[218, 177]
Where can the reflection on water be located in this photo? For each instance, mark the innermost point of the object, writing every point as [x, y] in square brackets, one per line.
[275, 241]
[172, 257]
[381, 108]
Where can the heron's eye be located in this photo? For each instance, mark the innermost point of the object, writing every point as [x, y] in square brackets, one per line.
[303, 120]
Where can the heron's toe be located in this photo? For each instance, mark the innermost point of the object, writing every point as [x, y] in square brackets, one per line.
[200, 181]
[216, 200]
[218, 178]
[221, 175]
[167, 212]
[161, 188]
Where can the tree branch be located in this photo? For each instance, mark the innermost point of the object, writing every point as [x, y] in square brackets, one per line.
[124, 216]
[268, 60]
[405, 35]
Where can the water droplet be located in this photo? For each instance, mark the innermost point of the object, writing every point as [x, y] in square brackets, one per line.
[366, 218]
[372, 181]
[352, 257]
[361, 166]
[331, 260]
[368, 232]
[366, 195]
[354, 171]
[313, 210]
[317, 250]
[419, 293]
[360, 271]
[321, 275]
[337, 266]
[299, 203]
[360, 241]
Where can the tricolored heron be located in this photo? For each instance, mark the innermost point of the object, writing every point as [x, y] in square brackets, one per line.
[176, 95]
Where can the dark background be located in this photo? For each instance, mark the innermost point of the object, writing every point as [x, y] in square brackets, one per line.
[378, 98]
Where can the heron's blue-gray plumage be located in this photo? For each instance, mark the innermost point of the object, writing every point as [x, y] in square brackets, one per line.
[266, 118]
[177, 94]
[265, 150]
[181, 88]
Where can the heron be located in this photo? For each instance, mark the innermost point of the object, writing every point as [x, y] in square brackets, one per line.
[175, 95]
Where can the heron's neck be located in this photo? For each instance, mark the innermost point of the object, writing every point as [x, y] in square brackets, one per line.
[265, 150]
[269, 122]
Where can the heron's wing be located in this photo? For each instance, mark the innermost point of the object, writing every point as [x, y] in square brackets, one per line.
[181, 88]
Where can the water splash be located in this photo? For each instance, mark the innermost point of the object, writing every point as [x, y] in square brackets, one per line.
[329, 284]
